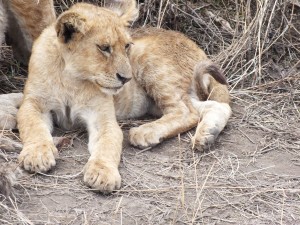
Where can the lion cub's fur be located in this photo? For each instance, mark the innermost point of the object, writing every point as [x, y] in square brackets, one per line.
[79, 72]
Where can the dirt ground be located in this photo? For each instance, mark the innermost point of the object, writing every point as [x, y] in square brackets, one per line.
[251, 176]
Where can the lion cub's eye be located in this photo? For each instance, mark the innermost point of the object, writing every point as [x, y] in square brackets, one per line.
[104, 48]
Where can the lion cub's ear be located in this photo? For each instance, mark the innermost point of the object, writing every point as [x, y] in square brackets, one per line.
[126, 9]
[70, 26]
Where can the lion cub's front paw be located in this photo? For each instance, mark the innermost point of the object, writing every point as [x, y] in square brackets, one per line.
[143, 136]
[101, 176]
[39, 157]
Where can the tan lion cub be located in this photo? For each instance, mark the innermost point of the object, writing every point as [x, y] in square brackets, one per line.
[79, 72]
[71, 70]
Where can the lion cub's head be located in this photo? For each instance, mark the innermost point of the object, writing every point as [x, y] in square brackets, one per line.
[95, 45]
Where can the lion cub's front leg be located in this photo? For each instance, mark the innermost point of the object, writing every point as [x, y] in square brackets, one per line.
[105, 145]
[39, 152]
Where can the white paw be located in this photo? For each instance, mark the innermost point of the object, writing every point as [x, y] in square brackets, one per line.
[214, 118]
[7, 120]
[101, 176]
[9, 108]
[205, 136]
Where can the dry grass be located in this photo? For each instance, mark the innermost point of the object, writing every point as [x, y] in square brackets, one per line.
[250, 177]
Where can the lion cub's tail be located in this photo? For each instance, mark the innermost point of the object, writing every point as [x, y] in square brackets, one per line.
[210, 82]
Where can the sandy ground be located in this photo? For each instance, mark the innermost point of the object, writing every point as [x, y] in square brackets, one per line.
[246, 178]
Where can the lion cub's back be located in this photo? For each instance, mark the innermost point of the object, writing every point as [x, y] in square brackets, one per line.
[169, 47]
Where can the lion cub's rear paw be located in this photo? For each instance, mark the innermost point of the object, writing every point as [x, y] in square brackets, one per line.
[205, 137]
[143, 136]
[39, 157]
[101, 176]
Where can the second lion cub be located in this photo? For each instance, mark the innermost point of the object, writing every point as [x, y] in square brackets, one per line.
[79, 72]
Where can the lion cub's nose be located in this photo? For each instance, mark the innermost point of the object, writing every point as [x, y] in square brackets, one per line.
[122, 78]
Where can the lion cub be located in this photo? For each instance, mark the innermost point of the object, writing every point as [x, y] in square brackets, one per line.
[73, 72]
[87, 69]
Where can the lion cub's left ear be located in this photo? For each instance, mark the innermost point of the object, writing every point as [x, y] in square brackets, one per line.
[70, 26]
[126, 9]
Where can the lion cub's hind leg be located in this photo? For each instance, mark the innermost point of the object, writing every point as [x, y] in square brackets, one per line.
[178, 116]
[214, 113]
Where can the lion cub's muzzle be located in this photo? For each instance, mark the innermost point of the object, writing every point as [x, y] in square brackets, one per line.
[123, 78]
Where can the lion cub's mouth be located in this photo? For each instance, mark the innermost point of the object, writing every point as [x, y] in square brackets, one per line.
[109, 88]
